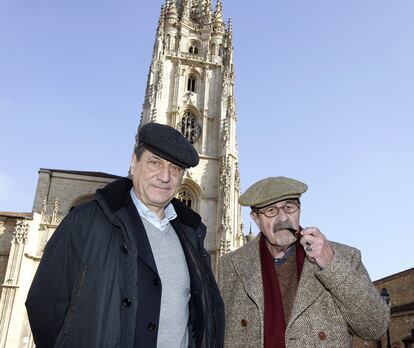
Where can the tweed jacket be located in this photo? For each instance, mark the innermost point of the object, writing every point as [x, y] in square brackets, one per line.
[330, 306]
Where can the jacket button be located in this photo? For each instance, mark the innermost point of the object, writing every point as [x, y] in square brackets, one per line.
[322, 336]
[244, 322]
[151, 326]
[156, 282]
[126, 302]
[124, 249]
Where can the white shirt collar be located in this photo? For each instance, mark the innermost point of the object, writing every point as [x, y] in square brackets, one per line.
[145, 212]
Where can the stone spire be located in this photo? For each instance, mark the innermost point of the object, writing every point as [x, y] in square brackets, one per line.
[161, 20]
[171, 9]
[185, 10]
[217, 20]
[218, 13]
[250, 236]
[206, 11]
[230, 30]
[229, 44]
[159, 34]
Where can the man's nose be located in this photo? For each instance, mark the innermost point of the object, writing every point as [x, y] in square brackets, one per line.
[281, 216]
[164, 174]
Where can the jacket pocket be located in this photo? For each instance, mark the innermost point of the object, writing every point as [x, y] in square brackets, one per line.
[79, 301]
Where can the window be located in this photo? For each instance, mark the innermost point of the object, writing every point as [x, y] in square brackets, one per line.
[189, 127]
[191, 82]
[193, 48]
[185, 197]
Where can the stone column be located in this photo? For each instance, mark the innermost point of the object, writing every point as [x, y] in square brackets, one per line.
[11, 279]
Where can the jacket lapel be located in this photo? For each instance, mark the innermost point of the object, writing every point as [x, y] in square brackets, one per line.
[115, 200]
[247, 265]
[136, 231]
[309, 289]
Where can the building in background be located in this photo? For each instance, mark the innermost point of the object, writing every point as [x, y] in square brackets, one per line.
[400, 287]
[23, 237]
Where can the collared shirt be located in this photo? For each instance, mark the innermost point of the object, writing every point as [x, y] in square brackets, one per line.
[145, 212]
[281, 260]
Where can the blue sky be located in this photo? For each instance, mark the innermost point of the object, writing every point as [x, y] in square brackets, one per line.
[324, 91]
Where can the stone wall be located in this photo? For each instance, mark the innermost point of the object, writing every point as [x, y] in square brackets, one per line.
[400, 286]
[67, 187]
[6, 230]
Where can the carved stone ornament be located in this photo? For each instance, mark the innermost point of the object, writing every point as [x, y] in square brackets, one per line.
[20, 232]
[189, 98]
[191, 56]
[224, 246]
[217, 60]
[207, 74]
[237, 178]
[225, 179]
[54, 219]
[226, 134]
[231, 107]
[44, 207]
[196, 10]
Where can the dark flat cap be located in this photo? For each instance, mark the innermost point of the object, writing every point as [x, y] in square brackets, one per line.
[272, 190]
[168, 143]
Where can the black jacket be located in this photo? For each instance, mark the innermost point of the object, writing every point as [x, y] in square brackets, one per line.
[97, 281]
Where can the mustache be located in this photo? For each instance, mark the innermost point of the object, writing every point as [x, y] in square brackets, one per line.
[284, 225]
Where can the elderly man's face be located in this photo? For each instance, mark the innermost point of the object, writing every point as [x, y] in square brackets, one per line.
[155, 180]
[278, 229]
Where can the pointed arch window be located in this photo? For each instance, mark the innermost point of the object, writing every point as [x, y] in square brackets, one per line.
[185, 197]
[191, 83]
[193, 48]
[189, 127]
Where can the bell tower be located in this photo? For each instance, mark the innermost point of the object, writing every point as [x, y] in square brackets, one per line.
[190, 87]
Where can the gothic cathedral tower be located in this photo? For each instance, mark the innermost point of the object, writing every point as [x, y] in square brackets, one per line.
[191, 88]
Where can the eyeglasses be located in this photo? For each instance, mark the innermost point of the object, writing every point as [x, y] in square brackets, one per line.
[272, 211]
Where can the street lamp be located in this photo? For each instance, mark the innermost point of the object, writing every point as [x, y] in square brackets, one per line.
[386, 298]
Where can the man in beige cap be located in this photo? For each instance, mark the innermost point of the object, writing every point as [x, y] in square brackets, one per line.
[291, 287]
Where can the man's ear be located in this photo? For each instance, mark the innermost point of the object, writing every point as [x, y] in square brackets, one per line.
[255, 218]
[133, 164]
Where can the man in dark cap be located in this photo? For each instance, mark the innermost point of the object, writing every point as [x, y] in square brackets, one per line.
[129, 269]
[291, 287]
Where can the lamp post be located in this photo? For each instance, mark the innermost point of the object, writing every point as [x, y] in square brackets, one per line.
[386, 298]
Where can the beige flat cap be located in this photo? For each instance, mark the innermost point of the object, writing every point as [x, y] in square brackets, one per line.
[272, 190]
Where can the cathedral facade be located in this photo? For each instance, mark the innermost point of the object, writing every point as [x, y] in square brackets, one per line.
[190, 87]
